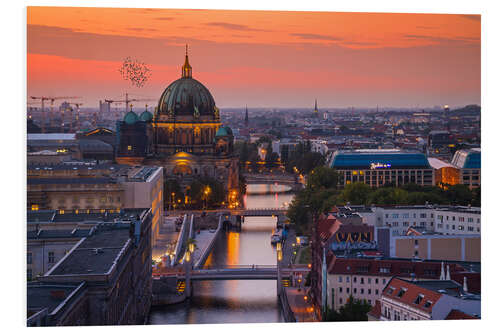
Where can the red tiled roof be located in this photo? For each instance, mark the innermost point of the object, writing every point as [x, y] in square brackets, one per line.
[365, 266]
[376, 310]
[457, 314]
[473, 280]
[327, 226]
[411, 294]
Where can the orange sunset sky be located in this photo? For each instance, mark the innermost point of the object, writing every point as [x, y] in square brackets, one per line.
[259, 58]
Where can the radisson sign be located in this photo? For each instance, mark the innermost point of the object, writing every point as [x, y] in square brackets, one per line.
[379, 165]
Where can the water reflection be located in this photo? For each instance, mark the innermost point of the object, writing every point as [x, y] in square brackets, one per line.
[237, 301]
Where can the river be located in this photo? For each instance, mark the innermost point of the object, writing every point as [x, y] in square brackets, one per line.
[237, 301]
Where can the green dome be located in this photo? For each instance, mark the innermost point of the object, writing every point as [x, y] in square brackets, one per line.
[146, 116]
[224, 131]
[130, 118]
[183, 95]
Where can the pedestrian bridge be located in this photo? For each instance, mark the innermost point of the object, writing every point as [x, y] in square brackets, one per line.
[259, 212]
[239, 272]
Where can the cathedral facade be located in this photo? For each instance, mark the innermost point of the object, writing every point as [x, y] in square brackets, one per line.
[184, 135]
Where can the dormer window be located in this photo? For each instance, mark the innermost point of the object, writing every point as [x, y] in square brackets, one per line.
[427, 304]
[419, 299]
[401, 292]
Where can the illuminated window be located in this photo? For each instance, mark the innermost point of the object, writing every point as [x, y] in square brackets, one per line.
[129, 147]
[34, 207]
[103, 210]
[76, 211]
[61, 211]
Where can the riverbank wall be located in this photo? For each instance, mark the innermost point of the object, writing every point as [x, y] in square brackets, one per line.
[288, 314]
[165, 292]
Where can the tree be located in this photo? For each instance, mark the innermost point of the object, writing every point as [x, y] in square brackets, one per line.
[459, 194]
[172, 192]
[356, 193]
[353, 310]
[322, 177]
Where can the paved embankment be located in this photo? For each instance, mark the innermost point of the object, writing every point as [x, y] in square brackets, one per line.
[167, 236]
[299, 304]
[205, 241]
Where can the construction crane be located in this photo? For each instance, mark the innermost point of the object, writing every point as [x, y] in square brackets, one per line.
[128, 100]
[51, 99]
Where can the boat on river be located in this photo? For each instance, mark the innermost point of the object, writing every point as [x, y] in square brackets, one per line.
[277, 236]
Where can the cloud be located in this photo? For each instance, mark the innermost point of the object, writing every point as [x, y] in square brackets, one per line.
[436, 39]
[142, 29]
[360, 43]
[164, 18]
[316, 36]
[232, 26]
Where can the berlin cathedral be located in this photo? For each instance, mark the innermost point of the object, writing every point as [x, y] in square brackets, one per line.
[184, 135]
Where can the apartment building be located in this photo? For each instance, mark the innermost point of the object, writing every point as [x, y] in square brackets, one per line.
[403, 299]
[365, 279]
[457, 220]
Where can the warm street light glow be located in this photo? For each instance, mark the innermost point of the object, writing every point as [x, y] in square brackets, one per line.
[278, 246]
[191, 247]
[280, 255]
[187, 256]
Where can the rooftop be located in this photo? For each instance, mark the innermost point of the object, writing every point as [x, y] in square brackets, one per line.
[49, 296]
[467, 158]
[436, 163]
[96, 254]
[92, 216]
[378, 159]
[51, 136]
[70, 180]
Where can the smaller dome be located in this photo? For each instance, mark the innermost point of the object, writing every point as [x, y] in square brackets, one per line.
[146, 116]
[224, 131]
[130, 118]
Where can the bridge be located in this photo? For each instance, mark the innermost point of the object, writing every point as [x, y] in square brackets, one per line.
[239, 272]
[259, 212]
[274, 178]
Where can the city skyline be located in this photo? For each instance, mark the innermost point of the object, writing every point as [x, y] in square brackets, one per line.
[259, 58]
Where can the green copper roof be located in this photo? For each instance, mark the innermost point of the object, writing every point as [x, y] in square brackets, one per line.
[182, 95]
[130, 118]
[224, 131]
[146, 116]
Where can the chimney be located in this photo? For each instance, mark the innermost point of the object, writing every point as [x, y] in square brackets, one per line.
[466, 289]
[58, 294]
[448, 277]
[442, 276]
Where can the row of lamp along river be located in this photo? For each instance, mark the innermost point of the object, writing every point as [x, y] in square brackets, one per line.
[236, 301]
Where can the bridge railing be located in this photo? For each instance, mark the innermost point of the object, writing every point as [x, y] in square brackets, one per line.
[244, 267]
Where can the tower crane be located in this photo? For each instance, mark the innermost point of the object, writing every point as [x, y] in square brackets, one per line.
[51, 99]
[127, 101]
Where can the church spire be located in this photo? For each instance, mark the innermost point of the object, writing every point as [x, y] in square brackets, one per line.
[186, 68]
[246, 116]
[315, 106]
